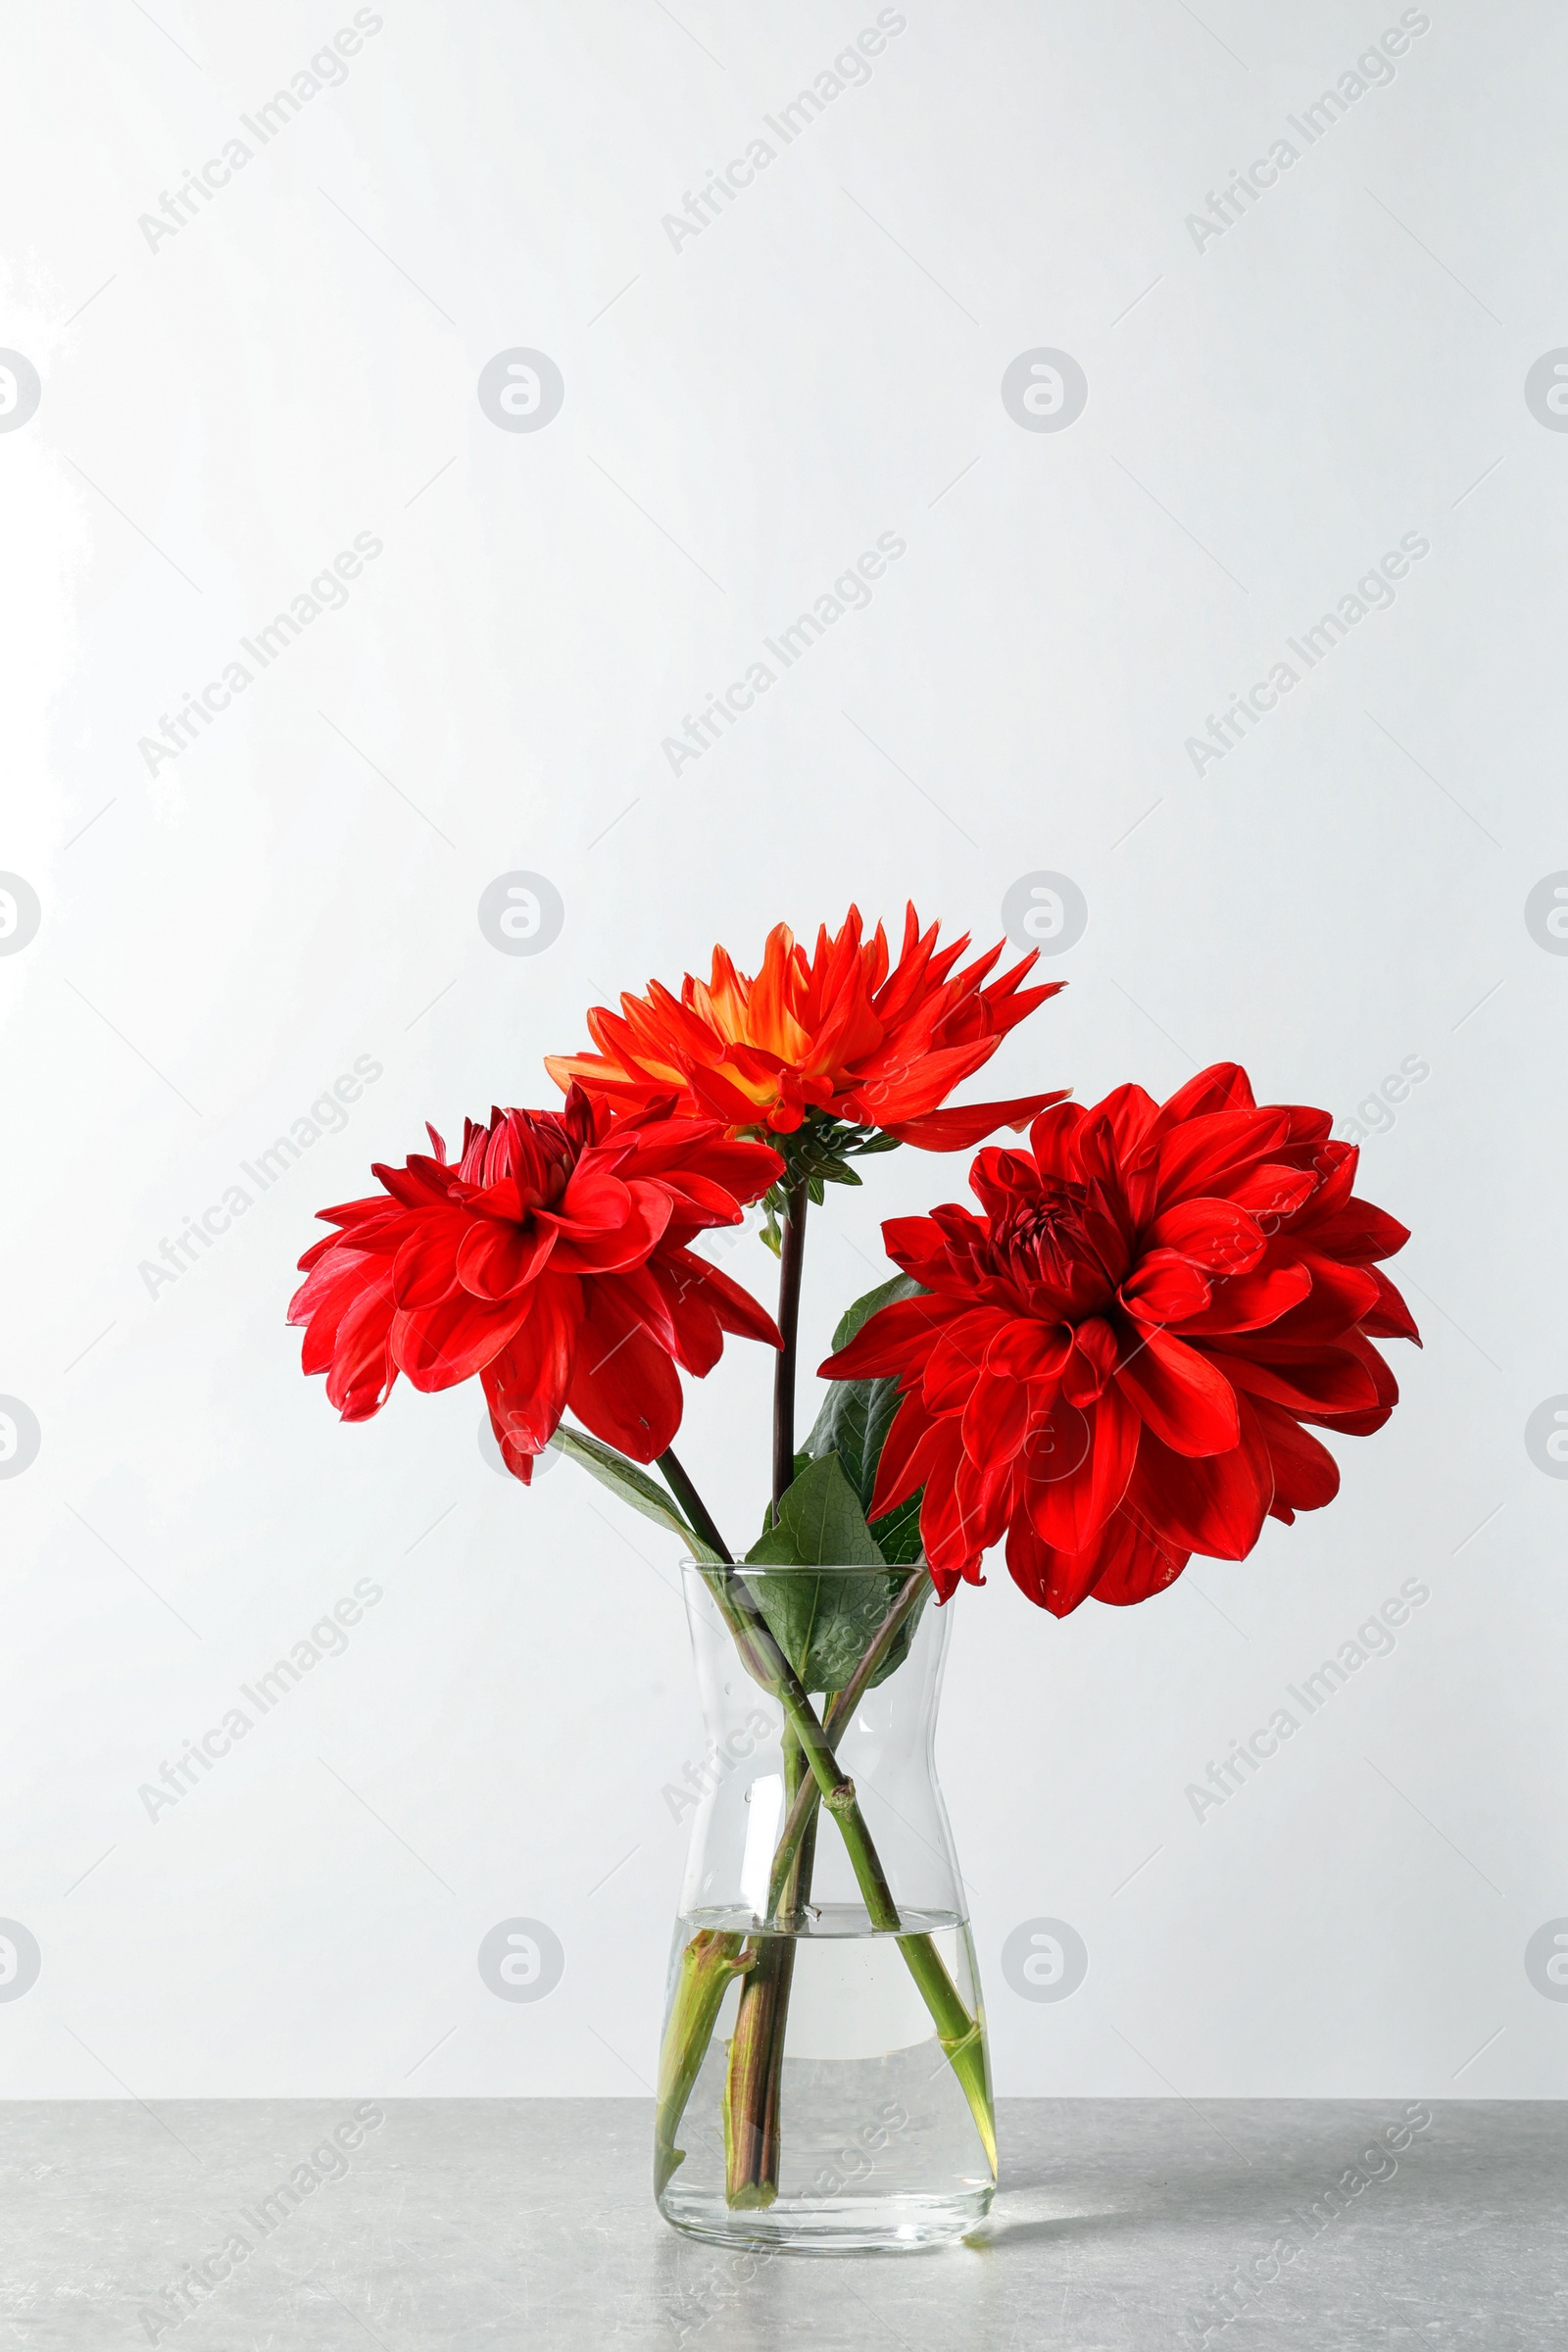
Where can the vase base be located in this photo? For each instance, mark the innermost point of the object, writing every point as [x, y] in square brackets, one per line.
[829, 2225]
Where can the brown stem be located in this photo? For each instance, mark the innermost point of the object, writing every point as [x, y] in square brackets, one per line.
[791, 1258]
[754, 2085]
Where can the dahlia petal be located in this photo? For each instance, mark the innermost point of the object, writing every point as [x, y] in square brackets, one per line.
[1217, 1236]
[958, 1128]
[1347, 1292]
[1074, 1489]
[1324, 1315]
[1134, 1566]
[1215, 1504]
[1058, 1510]
[1249, 1302]
[922, 1246]
[770, 1018]
[953, 1364]
[584, 1247]
[420, 1185]
[951, 1543]
[623, 1387]
[901, 1472]
[494, 1260]
[980, 1488]
[426, 1269]
[1355, 1424]
[1030, 1350]
[601, 1075]
[1165, 1289]
[1183, 1397]
[1305, 1474]
[1054, 1138]
[1095, 1148]
[995, 1418]
[500, 1197]
[894, 1338]
[1359, 1232]
[1001, 1180]
[313, 1258]
[378, 1208]
[718, 1094]
[1057, 1581]
[1272, 1192]
[525, 1385]
[362, 1374]
[334, 1334]
[638, 1294]
[1205, 1155]
[919, 1081]
[339, 1272]
[696, 1336]
[731, 1303]
[436, 1347]
[1308, 1127]
[1335, 1165]
[1131, 1113]
[1223, 1086]
[1331, 1380]
[697, 1206]
[594, 1202]
[695, 1160]
[1360, 1421]
[1092, 1362]
[1390, 1318]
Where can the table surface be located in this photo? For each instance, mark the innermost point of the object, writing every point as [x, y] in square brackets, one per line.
[1122, 2223]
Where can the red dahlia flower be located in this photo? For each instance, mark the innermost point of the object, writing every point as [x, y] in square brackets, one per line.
[844, 1031]
[1116, 1360]
[550, 1259]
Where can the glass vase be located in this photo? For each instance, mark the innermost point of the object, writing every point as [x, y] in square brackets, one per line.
[824, 2081]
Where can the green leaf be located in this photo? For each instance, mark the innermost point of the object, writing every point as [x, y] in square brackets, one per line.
[856, 1414]
[897, 1532]
[825, 1623]
[633, 1486]
[818, 1521]
[854, 1423]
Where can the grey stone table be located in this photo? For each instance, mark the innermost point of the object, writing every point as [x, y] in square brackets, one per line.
[461, 2223]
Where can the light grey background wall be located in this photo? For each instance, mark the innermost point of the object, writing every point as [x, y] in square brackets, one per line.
[1283, 387]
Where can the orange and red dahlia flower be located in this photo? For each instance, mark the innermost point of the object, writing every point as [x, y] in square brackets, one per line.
[843, 1032]
[1113, 1365]
[550, 1259]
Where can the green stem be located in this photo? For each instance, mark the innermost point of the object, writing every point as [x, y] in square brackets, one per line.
[696, 1509]
[706, 1966]
[961, 2036]
[957, 2032]
[803, 1810]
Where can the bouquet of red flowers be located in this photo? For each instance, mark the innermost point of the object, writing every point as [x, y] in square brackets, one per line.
[1116, 1360]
